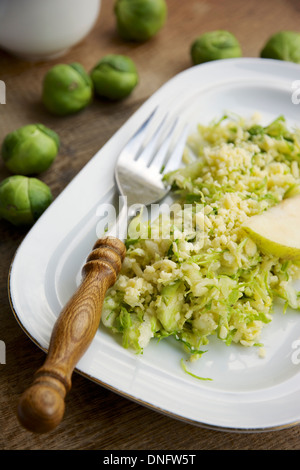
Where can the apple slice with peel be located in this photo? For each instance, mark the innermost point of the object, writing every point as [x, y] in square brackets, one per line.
[277, 231]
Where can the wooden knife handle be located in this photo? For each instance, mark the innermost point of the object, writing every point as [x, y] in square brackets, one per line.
[42, 405]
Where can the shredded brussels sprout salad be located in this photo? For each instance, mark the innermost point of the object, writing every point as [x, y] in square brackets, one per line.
[208, 277]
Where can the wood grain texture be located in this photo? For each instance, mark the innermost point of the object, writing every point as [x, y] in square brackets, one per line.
[97, 418]
[42, 405]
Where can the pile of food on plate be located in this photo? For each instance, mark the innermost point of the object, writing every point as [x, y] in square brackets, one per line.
[220, 271]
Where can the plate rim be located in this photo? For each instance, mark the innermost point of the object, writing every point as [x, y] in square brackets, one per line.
[98, 381]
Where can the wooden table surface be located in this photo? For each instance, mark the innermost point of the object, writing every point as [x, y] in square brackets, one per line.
[97, 418]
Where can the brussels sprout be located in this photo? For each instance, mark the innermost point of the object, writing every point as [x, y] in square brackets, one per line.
[67, 89]
[284, 45]
[30, 149]
[114, 77]
[139, 20]
[215, 45]
[23, 199]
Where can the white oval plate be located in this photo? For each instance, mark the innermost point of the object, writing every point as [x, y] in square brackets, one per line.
[246, 393]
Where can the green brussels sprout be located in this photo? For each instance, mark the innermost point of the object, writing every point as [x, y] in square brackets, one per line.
[67, 89]
[30, 149]
[215, 45]
[284, 45]
[114, 77]
[139, 20]
[23, 199]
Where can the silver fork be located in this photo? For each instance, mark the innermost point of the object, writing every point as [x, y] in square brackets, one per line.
[141, 166]
[139, 172]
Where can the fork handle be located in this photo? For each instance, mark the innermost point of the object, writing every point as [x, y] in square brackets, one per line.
[42, 405]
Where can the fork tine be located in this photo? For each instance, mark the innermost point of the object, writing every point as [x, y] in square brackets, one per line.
[175, 157]
[160, 156]
[147, 152]
[134, 144]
